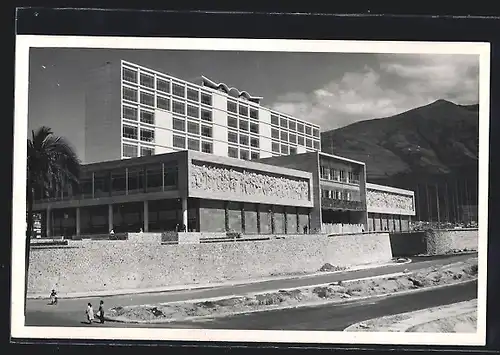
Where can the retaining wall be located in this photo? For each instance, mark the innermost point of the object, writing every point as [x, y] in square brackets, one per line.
[115, 265]
[433, 242]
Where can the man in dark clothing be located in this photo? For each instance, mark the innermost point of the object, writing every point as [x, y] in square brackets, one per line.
[101, 312]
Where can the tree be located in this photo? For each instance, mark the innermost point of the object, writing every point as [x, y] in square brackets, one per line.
[52, 166]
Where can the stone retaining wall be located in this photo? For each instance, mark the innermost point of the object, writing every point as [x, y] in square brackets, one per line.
[114, 265]
[433, 242]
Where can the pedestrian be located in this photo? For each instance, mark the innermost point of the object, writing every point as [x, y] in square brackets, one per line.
[53, 297]
[90, 313]
[100, 312]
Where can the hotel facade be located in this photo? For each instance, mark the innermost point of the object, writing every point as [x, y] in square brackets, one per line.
[162, 152]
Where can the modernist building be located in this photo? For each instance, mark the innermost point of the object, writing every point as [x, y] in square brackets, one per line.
[132, 111]
[160, 151]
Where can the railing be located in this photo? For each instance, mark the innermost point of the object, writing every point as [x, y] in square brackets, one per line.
[339, 228]
[341, 204]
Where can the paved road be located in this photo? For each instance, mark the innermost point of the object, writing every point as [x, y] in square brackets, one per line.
[70, 312]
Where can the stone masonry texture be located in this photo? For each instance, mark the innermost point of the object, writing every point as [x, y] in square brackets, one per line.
[108, 265]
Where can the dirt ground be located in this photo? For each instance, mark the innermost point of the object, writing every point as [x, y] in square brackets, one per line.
[448, 274]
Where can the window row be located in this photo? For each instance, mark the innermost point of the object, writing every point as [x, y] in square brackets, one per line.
[242, 109]
[283, 148]
[339, 194]
[131, 151]
[339, 175]
[166, 86]
[294, 138]
[131, 132]
[183, 142]
[292, 125]
[241, 153]
[133, 113]
[243, 124]
[182, 125]
[242, 139]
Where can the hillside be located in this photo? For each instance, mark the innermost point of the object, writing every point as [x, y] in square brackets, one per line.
[437, 143]
[438, 139]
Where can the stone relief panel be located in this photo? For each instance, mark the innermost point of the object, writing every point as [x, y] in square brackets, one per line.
[246, 183]
[387, 200]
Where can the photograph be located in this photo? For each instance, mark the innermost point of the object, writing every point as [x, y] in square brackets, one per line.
[250, 190]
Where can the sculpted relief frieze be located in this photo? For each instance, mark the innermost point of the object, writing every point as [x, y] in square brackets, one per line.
[245, 183]
[387, 200]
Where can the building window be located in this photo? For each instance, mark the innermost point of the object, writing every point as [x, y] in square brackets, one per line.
[232, 122]
[206, 131]
[342, 176]
[325, 173]
[129, 132]
[178, 107]
[292, 138]
[243, 125]
[275, 133]
[147, 117]
[129, 151]
[206, 115]
[274, 120]
[163, 86]
[308, 143]
[130, 94]
[300, 127]
[334, 174]
[244, 154]
[178, 90]
[315, 132]
[243, 139]
[254, 128]
[147, 99]
[316, 144]
[284, 136]
[308, 130]
[283, 122]
[275, 147]
[284, 149]
[232, 106]
[206, 147]
[179, 124]
[206, 99]
[254, 155]
[232, 137]
[193, 128]
[179, 141]
[146, 151]
[300, 140]
[193, 94]
[130, 113]
[147, 135]
[254, 142]
[147, 80]
[232, 152]
[243, 110]
[254, 113]
[163, 103]
[293, 150]
[193, 144]
[193, 111]
[129, 75]
[292, 125]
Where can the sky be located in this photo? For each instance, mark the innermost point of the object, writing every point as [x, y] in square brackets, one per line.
[329, 89]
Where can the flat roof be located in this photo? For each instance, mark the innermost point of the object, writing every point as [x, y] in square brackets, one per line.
[341, 158]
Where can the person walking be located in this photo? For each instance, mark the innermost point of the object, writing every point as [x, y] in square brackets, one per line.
[90, 313]
[100, 312]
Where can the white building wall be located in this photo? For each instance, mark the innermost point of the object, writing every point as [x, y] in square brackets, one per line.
[265, 133]
[219, 124]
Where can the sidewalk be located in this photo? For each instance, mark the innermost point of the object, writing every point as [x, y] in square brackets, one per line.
[122, 292]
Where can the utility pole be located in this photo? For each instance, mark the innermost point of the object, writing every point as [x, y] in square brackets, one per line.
[429, 218]
[437, 205]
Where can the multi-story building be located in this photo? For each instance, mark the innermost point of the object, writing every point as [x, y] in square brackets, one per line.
[133, 111]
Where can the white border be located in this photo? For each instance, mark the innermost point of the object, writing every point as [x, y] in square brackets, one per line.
[24, 43]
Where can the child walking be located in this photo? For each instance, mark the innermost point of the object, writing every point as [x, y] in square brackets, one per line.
[90, 313]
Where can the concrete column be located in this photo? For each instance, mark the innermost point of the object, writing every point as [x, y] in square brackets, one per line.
[48, 225]
[146, 216]
[77, 218]
[110, 217]
[185, 212]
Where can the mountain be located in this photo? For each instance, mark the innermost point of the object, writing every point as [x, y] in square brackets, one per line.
[433, 144]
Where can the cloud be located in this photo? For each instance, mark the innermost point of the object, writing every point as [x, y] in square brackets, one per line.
[398, 84]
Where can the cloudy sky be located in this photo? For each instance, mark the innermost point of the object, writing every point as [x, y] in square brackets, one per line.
[330, 89]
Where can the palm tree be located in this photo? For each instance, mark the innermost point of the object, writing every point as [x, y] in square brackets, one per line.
[52, 166]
